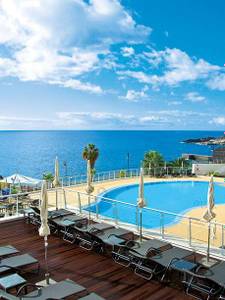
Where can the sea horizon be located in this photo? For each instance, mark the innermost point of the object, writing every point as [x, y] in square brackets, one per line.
[32, 152]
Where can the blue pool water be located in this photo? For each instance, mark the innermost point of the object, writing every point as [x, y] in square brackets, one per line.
[176, 197]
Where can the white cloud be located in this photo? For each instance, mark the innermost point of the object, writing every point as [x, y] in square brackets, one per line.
[78, 85]
[152, 118]
[178, 67]
[110, 120]
[62, 40]
[135, 96]
[127, 51]
[22, 123]
[154, 57]
[217, 82]
[140, 76]
[182, 67]
[218, 121]
[194, 97]
[174, 102]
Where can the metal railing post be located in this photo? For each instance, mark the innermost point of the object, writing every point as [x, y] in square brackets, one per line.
[162, 225]
[189, 231]
[17, 205]
[79, 202]
[64, 196]
[56, 199]
[96, 205]
[222, 237]
[137, 218]
[115, 213]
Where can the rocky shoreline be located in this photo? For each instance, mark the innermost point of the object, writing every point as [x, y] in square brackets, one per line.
[207, 141]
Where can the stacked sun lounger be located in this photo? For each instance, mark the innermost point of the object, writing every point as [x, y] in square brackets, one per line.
[12, 263]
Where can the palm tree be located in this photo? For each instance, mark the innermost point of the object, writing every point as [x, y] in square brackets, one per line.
[153, 159]
[91, 153]
[180, 163]
[49, 177]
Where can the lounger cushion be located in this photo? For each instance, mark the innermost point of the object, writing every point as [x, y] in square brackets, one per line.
[165, 257]
[7, 250]
[59, 291]
[117, 231]
[92, 296]
[67, 220]
[144, 247]
[217, 274]
[17, 262]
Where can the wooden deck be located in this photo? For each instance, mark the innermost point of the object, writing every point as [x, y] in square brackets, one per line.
[95, 272]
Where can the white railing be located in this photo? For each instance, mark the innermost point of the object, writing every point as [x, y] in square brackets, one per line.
[98, 177]
[179, 229]
[125, 173]
[10, 204]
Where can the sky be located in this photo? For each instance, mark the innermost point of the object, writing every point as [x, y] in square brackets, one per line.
[111, 64]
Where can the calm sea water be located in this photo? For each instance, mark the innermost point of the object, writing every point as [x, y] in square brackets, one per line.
[33, 152]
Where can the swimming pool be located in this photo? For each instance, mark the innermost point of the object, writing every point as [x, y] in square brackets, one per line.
[176, 197]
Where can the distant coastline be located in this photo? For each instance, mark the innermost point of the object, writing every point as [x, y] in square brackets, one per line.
[206, 141]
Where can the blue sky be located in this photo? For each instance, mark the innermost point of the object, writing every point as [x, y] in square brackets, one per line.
[110, 64]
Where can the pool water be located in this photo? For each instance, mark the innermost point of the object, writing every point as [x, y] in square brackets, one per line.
[176, 197]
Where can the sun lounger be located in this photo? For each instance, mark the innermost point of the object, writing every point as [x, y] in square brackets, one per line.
[59, 213]
[56, 291]
[33, 214]
[92, 296]
[160, 263]
[100, 239]
[17, 262]
[11, 281]
[7, 250]
[134, 250]
[63, 225]
[84, 231]
[209, 282]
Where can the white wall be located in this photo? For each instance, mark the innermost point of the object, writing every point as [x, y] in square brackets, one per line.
[204, 169]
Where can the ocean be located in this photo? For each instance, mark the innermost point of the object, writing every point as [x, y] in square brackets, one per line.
[32, 153]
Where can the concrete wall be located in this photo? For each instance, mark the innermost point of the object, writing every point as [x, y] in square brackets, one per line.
[204, 169]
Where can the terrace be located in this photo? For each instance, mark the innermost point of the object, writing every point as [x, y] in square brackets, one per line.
[98, 273]
[191, 231]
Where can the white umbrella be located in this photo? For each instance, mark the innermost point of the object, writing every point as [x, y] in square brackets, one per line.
[44, 230]
[209, 215]
[56, 178]
[21, 179]
[141, 201]
[89, 188]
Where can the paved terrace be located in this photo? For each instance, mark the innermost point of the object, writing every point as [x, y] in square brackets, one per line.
[97, 273]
